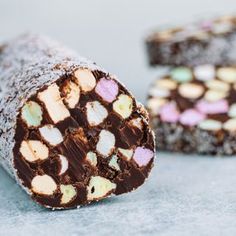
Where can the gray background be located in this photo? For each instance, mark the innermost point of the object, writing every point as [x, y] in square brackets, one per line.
[185, 195]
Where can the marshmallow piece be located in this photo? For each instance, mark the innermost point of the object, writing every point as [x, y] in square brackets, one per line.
[123, 106]
[72, 92]
[32, 114]
[34, 150]
[230, 125]
[44, 185]
[232, 110]
[68, 193]
[159, 92]
[165, 35]
[227, 74]
[226, 18]
[206, 25]
[96, 113]
[142, 156]
[204, 72]
[155, 104]
[106, 142]
[126, 153]
[51, 134]
[91, 157]
[191, 117]
[169, 113]
[64, 164]
[182, 74]
[210, 125]
[113, 163]
[218, 85]
[86, 79]
[166, 84]
[220, 106]
[222, 27]
[53, 102]
[107, 89]
[190, 90]
[214, 95]
[99, 187]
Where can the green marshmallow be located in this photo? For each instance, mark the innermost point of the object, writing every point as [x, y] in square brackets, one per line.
[182, 74]
[99, 187]
[113, 163]
[68, 193]
[32, 114]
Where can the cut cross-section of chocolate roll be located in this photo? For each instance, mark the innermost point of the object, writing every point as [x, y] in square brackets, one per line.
[194, 110]
[70, 132]
[208, 41]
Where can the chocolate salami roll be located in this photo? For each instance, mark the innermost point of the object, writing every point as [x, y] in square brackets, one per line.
[212, 41]
[194, 110]
[70, 133]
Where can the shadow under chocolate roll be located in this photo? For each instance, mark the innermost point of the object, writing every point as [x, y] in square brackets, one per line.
[70, 132]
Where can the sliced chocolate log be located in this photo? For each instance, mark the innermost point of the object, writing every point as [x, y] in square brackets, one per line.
[204, 42]
[194, 110]
[70, 132]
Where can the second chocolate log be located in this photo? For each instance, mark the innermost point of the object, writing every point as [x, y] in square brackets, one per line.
[208, 41]
[194, 110]
[70, 133]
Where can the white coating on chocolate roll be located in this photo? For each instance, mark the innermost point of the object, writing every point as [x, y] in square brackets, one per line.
[23, 73]
[30, 66]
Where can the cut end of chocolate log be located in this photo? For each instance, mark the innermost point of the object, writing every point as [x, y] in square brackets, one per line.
[63, 123]
[193, 109]
[80, 137]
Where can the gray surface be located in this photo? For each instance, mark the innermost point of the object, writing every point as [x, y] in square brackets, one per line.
[185, 195]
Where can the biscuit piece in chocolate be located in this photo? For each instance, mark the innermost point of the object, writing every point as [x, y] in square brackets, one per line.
[70, 133]
[194, 110]
[208, 41]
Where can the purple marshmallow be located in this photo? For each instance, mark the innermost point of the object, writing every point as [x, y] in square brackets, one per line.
[142, 156]
[191, 117]
[220, 106]
[107, 89]
[169, 113]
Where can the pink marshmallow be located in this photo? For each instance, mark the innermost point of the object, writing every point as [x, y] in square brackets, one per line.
[107, 89]
[169, 113]
[191, 117]
[142, 156]
[220, 106]
[206, 25]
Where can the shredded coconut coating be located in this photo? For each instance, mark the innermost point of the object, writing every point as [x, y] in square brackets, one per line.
[176, 138]
[28, 63]
[207, 41]
[219, 51]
